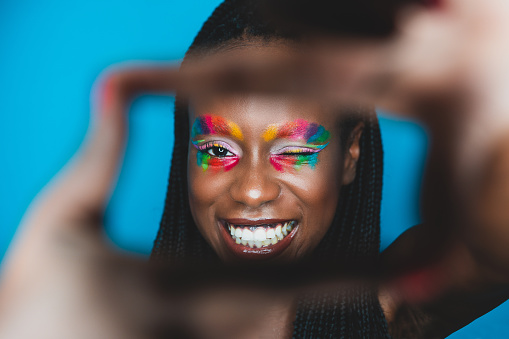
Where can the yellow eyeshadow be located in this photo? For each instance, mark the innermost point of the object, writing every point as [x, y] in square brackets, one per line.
[270, 133]
[235, 130]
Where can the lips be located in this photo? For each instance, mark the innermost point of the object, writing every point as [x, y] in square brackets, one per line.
[258, 239]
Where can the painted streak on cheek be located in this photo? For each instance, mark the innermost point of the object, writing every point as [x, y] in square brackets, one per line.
[206, 161]
[282, 162]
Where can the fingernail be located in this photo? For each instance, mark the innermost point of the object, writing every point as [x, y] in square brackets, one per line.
[107, 94]
[104, 95]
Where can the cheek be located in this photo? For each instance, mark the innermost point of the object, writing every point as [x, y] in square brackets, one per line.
[208, 189]
[208, 179]
[205, 188]
[318, 191]
[322, 191]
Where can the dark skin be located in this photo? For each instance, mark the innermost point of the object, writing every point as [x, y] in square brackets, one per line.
[308, 195]
[464, 196]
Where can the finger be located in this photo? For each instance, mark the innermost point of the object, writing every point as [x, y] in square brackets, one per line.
[70, 207]
[86, 188]
[81, 191]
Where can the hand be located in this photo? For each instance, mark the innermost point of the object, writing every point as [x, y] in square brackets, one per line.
[62, 279]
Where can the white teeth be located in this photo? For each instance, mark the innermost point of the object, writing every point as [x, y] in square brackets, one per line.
[247, 234]
[259, 234]
[238, 232]
[262, 236]
[270, 233]
[278, 231]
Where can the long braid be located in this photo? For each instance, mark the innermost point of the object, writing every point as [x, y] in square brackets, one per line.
[178, 236]
[354, 234]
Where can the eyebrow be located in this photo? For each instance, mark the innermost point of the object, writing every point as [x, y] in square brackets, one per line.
[212, 124]
[298, 129]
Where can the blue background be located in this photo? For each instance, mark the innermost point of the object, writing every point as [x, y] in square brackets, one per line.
[50, 54]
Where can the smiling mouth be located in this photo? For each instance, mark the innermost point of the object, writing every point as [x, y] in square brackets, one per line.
[260, 236]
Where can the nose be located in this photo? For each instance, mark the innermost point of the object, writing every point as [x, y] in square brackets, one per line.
[255, 186]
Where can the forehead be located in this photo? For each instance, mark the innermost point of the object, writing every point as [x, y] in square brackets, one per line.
[255, 113]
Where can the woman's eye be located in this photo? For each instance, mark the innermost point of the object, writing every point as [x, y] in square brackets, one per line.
[293, 152]
[298, 153]
[218, 151]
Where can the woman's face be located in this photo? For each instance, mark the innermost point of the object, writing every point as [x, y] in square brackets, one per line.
[264, 175]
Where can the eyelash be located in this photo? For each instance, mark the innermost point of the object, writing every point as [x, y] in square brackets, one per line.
[297, 151]
[209, 146]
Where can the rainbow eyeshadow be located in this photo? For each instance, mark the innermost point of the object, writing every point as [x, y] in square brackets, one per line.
[298, 129]
[215, 125]
[212, 124]
[315, 136]
[209, 161]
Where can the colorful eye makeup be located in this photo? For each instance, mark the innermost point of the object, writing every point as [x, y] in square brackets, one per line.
[298, 129]
[296, 157]
[220, 155]
[315, 136]
[211, 124]
[215, 154]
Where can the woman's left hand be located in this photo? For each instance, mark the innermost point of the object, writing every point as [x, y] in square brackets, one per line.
[62, 278]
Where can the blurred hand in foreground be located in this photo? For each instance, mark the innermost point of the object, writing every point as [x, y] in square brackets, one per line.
[445, 66]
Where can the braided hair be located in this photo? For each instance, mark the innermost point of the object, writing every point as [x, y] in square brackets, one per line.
[355, 232]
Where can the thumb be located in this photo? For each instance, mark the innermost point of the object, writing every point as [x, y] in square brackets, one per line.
[72, 204]
[78, 195]
[75, 199]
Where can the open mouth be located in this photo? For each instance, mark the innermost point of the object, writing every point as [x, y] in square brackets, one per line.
[258, 239]
[259, 236]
